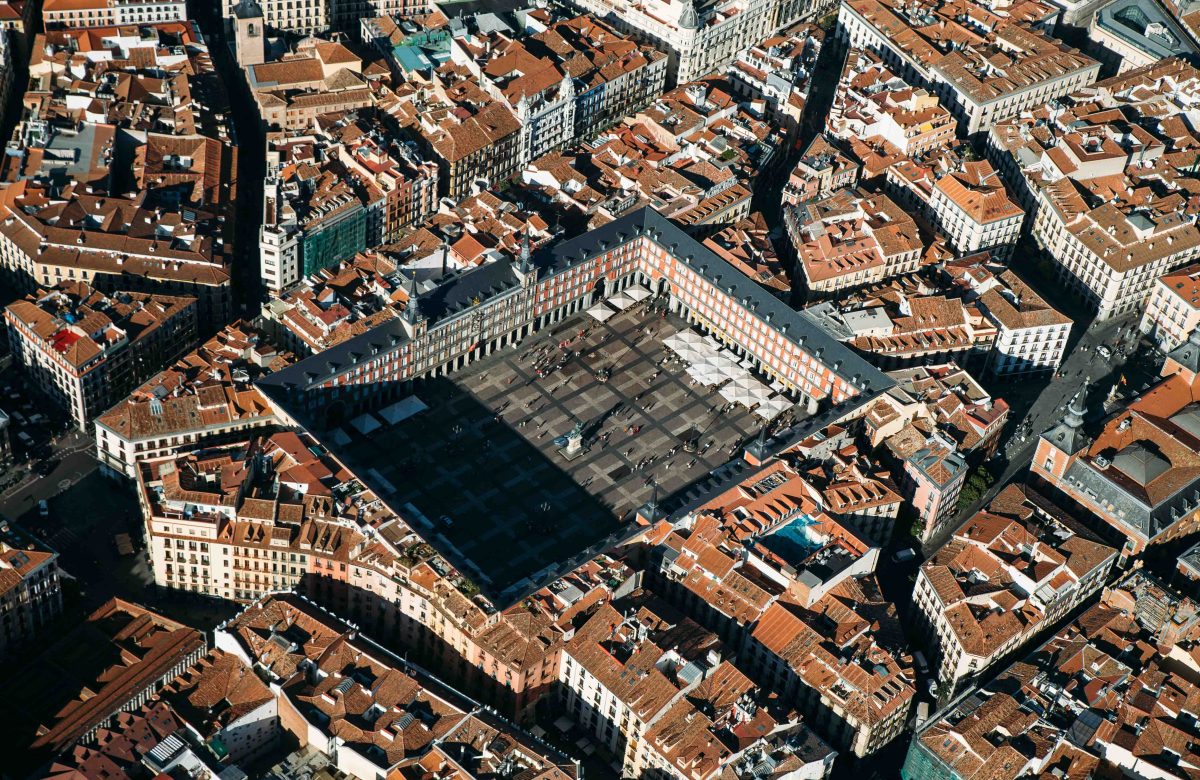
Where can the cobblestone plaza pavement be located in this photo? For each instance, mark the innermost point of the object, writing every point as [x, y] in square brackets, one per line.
[519, 505]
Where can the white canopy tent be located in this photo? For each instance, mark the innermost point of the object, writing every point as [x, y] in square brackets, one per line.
[689, 346]
[705, 373]
[620, 301]
[740, 390]
[402, 410]
[638, 292]
[366, 424]
[601, 312]
[727, 364]
[773, 406]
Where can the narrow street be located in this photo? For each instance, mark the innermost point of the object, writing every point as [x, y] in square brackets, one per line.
[251, 141]
[769, 187]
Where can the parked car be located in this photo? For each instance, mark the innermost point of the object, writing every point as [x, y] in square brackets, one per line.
[43, 508]
[922, 664]
[906, 554]
[1103, 351]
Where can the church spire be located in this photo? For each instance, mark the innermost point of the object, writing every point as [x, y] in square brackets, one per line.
[1067, 434]
[525, 253]
[1077, 408]
[411, 309]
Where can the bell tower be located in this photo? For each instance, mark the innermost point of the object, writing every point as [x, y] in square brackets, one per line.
[250, 38]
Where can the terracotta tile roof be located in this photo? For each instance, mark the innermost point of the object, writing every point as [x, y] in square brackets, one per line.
[978, 192]
[135, 648]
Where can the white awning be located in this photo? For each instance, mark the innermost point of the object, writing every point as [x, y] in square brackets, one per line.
[638, 292]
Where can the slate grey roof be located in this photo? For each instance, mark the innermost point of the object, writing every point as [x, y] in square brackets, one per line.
[247, 9]
[1187, 354]
[1188, 418]
[460, 291]
[1141, 464]
[1083, 476]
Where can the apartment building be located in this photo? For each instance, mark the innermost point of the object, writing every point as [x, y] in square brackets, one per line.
[230, 522]
[772, 536]
[747, 246]
[30, 588]
[165, 229]
[653, 688]
[765, 566]
[317, 212]
[154, 651]
[87, 349]
[206, 397]
[1079, 703]
[1136, 477]
[853, 684]
[1125, 35]
[213, 719]
[874, 104]
[698, 40]
[1173, 308]
[983, 66]
[823, 169]
[18, 16]
[279, 512]
[692, 155]
[946, 397]
[973, 210]
[313, 17]
[362, 141]
[1011, 572]
[854, 489]
[1112, 254]
[905, 322]
[852, 239]
[1031, 335]
[609, 76]
[931, 475]
[111, 13]
[337, 303]
[928, 427]
[1089, 179]
[319, 77]
[112, 244]
[778, 71]
[370, 712]
[621, 251]
[475, 139]
[475, 231]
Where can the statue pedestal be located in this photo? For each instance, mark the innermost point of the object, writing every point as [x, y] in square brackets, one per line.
[574, 447]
